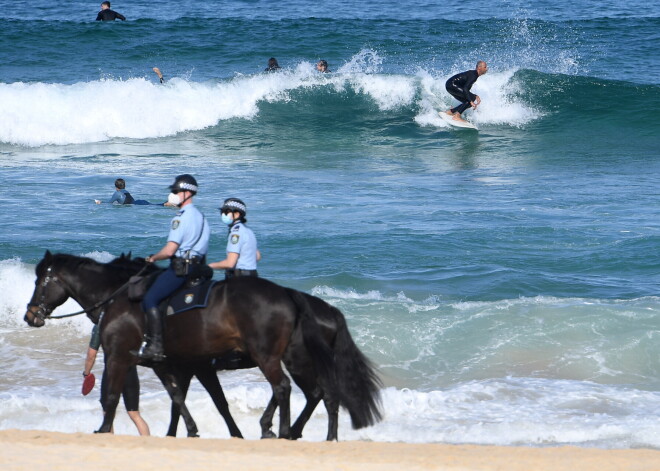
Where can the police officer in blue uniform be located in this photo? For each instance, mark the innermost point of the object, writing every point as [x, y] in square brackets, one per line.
[242, 252]
[187, 245]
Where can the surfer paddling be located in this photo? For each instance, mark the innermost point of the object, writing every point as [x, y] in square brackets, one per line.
[459, 87]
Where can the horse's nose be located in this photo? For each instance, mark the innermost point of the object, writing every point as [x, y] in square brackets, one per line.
[33, 320]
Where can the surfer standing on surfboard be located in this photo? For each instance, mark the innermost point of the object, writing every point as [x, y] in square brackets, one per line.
[459, 87]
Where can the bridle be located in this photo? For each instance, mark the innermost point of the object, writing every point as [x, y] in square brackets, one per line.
[43, 311]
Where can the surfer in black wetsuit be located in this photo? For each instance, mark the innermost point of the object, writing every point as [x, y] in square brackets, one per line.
[459, 87]
[106, 14]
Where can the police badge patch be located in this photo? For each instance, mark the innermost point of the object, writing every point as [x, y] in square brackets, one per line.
[175, 223]
[234, 238]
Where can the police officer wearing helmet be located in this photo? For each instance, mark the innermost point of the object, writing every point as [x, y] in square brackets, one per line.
[186, 247]
[242, 252]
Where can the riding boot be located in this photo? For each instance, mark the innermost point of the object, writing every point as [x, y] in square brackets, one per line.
[152, 348]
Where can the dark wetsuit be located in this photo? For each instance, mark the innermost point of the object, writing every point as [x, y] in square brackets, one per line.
[124, 197]
[131, 391]
[109, 15]
[459, 87]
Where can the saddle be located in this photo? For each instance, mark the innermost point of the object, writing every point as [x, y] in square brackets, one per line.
[193, 294]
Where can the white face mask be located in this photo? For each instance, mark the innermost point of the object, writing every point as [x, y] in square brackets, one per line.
[174, 199]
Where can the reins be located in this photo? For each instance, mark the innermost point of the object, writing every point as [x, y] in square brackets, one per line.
[100, 303]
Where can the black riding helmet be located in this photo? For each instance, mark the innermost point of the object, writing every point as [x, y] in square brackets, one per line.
[185, 182]
[234, 204]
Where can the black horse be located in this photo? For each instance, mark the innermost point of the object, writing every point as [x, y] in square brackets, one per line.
[248, 314]
[359, 377]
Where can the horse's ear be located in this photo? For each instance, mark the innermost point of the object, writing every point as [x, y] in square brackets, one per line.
[130, 255]
[48, 256]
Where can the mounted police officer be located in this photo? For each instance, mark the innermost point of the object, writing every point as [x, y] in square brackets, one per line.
[242, 252]
[187, 245]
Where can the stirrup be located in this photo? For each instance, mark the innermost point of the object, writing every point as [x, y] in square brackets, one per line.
[145, 353]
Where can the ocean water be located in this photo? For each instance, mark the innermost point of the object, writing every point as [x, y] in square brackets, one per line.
[505, 282]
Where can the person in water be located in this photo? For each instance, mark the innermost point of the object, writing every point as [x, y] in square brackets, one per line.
[322, 66]
[272, 65]
[106, 14]
[122, 196]
[186, 248]
[160, 74]
[242, 252]
[459, 87]
[131, 391]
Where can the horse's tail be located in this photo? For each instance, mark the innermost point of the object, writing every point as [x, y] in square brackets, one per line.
[318, 349]
[357, 379]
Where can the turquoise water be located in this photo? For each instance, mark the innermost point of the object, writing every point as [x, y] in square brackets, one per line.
[504, 282]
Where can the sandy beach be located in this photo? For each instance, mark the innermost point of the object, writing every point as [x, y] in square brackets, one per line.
[38, 450]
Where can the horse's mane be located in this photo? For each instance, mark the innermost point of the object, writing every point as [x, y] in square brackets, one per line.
[122, 265]
[134, 265]
[65, 260]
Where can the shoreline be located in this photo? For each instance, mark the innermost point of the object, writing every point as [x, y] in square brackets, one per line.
[40, 450]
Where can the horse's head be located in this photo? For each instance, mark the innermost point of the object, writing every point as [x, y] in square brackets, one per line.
[48, 292]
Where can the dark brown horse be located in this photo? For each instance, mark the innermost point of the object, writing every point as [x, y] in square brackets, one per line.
[245, 313]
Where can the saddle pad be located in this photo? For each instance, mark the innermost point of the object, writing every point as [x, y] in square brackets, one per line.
[189, 297]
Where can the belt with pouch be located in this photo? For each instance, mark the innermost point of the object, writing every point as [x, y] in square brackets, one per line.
[240, 272]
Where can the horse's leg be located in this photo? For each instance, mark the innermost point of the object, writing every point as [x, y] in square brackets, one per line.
[115, 376]
[332, 407]
[170, 382]
[267, 419]
[272, 370]
[184, 377]
[206, 374]
[313, 399]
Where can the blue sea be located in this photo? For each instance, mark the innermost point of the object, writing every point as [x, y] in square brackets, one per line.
[505, 282]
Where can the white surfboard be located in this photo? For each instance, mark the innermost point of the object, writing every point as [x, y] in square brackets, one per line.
[456, 123]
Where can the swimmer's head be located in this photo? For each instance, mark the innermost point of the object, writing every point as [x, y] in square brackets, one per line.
[120, 184]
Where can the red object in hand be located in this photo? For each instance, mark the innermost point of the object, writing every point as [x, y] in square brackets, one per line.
[88, 384]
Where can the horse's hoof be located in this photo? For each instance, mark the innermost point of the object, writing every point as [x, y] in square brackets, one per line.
[193, 435]
[268, 434]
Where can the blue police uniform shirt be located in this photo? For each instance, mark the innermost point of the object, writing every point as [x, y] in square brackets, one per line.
[185, 229]
[241, 240]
